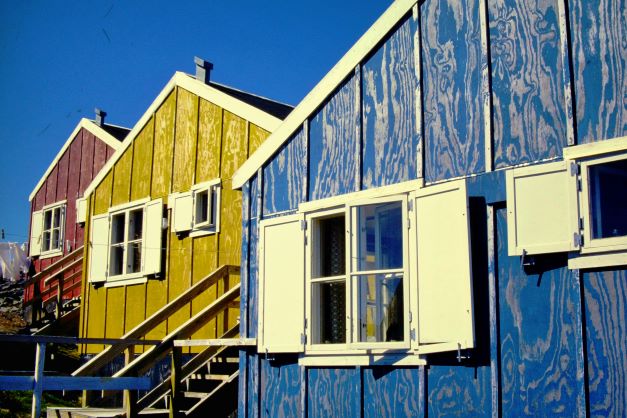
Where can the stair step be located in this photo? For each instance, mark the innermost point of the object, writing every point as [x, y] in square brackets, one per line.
[225, 360]
[200, 376]
[197, 395]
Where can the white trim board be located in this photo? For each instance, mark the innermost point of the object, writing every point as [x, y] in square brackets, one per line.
[92, 127]
[323, 89]
[202, 90]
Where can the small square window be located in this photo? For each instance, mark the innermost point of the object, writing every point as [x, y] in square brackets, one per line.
[608, 200]
[206, 207]
[125, 254]
[53, 228]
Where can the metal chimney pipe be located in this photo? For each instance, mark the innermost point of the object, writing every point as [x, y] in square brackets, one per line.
[203, 69]
[100, 116]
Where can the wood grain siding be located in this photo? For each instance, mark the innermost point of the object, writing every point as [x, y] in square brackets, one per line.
[605, 296]
[142, 162]
[162, 151]
[280, 390]
[74, 231]
[185, 137]
[599, 52]
[122, 178]
[284, 178]
[209, 142]
[256, 137]
[333, 145]
[451, 69]
[253, 259]
[333, 392]
[389, 105]
[102, 195]
[87, 158]
[538, 316]
[205, 256]
[527, 85]
[459, 391]
[391, 392]
[101, 152]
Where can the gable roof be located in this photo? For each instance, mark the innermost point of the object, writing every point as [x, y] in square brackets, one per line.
[310, 104]
[109, 134]
[234, 101]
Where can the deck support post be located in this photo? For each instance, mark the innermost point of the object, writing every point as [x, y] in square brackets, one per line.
[175, 385]
[130, 396]
[40, 359]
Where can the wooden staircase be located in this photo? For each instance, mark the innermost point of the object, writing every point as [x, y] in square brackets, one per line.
[207, 380]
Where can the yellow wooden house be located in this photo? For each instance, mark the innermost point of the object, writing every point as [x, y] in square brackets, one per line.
[162, 214]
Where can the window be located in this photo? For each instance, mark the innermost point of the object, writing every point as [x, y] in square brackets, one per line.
[47, 230]
[125, 243]
[197, 211]
[382, 271]
[576, 205]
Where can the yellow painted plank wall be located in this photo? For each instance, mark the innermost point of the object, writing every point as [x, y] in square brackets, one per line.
[188, 140]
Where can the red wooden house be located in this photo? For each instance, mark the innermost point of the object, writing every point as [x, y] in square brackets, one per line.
[58, 215]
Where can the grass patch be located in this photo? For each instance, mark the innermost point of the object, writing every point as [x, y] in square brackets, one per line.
[18, 403]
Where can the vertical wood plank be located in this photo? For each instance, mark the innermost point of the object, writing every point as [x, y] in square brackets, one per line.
[598, 32]
[74, 232]
[51, 185]
[142, 161]
[566, 60]
[256, 137]
[103, 194]
[122, 178]
[186, 133]
[179, 276]
[389, 86]
[486, 91]
[95, 317]
[390, 392]
[87, 159]
[115, 309]
[234, 144]
[100, 156]
[280, 390]
[332, 144]
[605, 296]
[163, 148]
[283, 177]
[333, 392]
[452, 105]
[527, 85]
[205, 260]
[209, 141]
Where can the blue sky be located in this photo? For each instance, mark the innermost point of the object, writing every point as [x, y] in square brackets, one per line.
[60, 59]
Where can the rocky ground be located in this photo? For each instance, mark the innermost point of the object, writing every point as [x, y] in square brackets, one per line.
[11, 313]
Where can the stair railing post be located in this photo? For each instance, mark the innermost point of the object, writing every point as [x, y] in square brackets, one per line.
[40, 359]
[130, 396]
[59, 309]
[175, 384]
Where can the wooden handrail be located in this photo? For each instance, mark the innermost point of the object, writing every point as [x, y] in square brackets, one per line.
[45, 271]
[155, 319]
[189, 368]
[150, 356]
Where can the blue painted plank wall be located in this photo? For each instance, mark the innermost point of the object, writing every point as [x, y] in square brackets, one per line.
[390, 135]
[280, 387]
[451, 80]
[539, 318]
[391, 392]
[333, 392]
[598, 31]
[284, 178]
[334, 145]
[606, 330]
[529, 121]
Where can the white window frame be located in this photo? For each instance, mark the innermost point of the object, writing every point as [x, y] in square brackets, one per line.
[212, 188]
[57, 251]
[126, 211]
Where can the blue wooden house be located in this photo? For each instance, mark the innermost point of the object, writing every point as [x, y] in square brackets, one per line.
[439, 228]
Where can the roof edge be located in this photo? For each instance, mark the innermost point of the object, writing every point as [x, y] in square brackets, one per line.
[202, 90]
[89, 125]
[356, 54]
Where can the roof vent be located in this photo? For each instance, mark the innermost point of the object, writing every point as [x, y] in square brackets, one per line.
[203, 69]
[100, 116]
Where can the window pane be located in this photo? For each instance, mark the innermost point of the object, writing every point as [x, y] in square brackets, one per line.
[214, 206]
[55, 239]
[329, 300]
[380, 239]
[116, 260]
[202, 207]
[46, 241]
[134, 257]
[56, 218]
[135, 224]
[380, 308]
[117, 228]
[608, 199]
[329, 244]
[47, 219]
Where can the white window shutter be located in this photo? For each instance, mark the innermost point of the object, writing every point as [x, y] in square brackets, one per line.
[281, 285]
[81, 210]
[182, 210]
[445, 313]
[36, 227]
[151, 243]
[98, 248]
[542, 209]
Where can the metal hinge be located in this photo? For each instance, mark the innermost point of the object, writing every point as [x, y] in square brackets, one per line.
[412, 334]
[578, 240]
[578, 185]
[574, 169]
[303, 225]
[580, 223]
[303, 339]
[410, 205]
[411, 317]
[408, 223]
[306, 323]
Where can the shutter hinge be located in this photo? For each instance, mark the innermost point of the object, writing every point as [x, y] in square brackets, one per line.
[578, 240]
[410, 205]
[412, 334]
[574, 168]
[306, 323]
[303, 339]
[580, 223]
[411, 317]
[408, 222]
[578, 185]
[303, 225]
